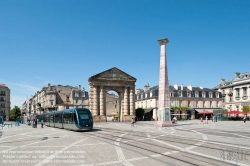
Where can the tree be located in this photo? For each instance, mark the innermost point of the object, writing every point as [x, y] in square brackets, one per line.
[246, 108]
[139, 112]
[15, 113]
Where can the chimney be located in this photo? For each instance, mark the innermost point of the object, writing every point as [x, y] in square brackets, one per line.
[138, 91]
[146, 88]
[181, 86]
[222, 81]
[190, 87]
[237, 74]
[49, 86]
[79, 87]
[176, 86]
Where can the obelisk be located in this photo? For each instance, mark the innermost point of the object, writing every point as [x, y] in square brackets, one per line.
[164, 118]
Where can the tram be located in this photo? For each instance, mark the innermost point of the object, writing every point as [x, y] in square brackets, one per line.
[77, 119]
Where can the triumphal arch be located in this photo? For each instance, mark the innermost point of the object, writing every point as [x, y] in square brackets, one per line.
[120, 82]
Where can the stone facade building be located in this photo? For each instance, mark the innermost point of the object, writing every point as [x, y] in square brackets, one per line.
[197, 99]
[4, 102]
[56, 97]
[235, 92]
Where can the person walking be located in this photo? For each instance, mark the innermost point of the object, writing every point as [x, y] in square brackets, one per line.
[201, 120]
[245, 119]
[132, 122]
[41, 123]
[206, 120]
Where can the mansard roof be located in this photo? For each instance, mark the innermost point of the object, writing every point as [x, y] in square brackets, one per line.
[240, 78]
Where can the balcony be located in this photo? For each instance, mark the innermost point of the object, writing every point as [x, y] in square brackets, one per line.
[237, 98]
[244, 97]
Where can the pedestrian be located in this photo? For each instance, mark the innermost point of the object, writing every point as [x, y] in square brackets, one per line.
[33, 123]
[41, 123]
[201, 120]
[206, 120]
[132, 122]
[245, 120]
[212, 118]
[36, 123]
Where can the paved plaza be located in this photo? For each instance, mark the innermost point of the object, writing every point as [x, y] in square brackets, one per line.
[114, 144]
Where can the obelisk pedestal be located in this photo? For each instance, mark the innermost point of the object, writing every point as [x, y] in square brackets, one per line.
[164, 117]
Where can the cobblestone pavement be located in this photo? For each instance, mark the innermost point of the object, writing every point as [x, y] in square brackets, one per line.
[115, 144]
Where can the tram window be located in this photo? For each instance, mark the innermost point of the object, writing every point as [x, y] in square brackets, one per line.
[75, 118]
[67, 118]
[84, 116]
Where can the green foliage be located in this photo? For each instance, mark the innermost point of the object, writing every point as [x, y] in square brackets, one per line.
[246, 108]
[15, 113]
[180, 108]
[139, 112]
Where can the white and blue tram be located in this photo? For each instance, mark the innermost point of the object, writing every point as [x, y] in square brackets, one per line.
[76, 119]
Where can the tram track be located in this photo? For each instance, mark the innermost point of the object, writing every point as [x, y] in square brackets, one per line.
[157, 149]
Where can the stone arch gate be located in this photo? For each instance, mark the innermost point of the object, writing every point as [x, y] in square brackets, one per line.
[118, 81]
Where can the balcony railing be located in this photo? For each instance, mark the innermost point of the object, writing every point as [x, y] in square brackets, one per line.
[2, 94]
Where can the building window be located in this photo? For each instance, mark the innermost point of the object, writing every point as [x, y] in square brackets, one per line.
[51, 97]
[245, 91]
[196, 94]
[231, 89]
[146, 95]
[76, 101]
[151, 94]
[197, 106]
[237, 92]
[223, 91]
[203, 94]
[2, 92]
[137, 97]
[171, 94]
[83, 94]
[180, 93]
[76, 94]
[230, 98]
[188, 94]
[151, 103]
[189, 105]
[211, 94]
[51, 103]
[171, 103]
[211, 106]
[237, 107]
[204, 105]
[217, 104]
[230, 107]
[141, 96]
[180, 103]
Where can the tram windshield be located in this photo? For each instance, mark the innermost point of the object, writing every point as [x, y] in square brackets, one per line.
[84, 116]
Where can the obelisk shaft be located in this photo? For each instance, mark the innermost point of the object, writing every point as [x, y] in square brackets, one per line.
[164, 100]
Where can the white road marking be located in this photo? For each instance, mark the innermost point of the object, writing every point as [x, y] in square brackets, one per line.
[51, 157]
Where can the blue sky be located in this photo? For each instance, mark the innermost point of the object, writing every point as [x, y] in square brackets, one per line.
[66, 42]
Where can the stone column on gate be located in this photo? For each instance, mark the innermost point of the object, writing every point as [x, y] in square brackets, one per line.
[90, 97]
[101, 101]
[125, 104]
[95, 110]
[155, 114]
[131, 102]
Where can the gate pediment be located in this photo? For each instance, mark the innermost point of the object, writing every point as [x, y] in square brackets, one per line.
[113, 74]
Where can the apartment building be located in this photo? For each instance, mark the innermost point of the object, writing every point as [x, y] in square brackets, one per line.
[55, 98]
[197, 99]
[235, 92]
[4, 102]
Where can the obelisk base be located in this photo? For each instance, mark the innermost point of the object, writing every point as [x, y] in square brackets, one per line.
[165, 124]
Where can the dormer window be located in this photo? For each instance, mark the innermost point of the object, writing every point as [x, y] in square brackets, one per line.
[151, 94]
[141, 96]
[171, 94]
[188, 94]
[196, 94]
[210, 94]
[146, 95]
[180, 93]
[203, 94]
